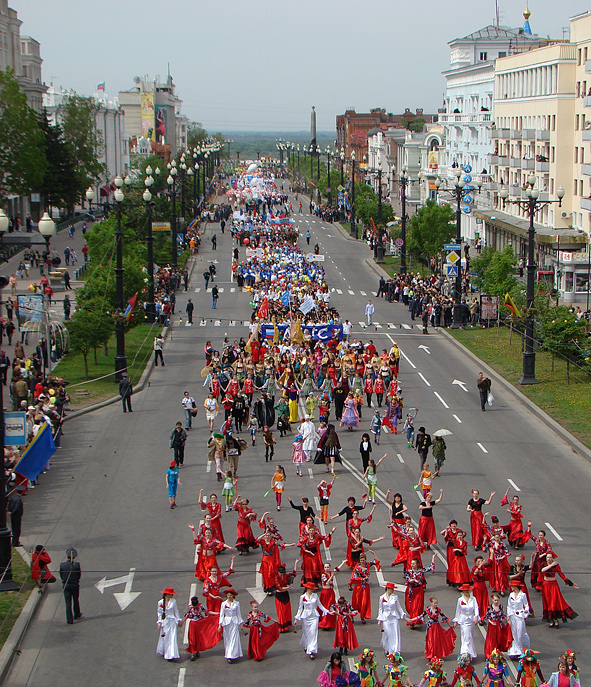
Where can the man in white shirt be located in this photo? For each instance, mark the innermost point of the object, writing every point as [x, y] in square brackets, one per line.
[369, 311]
[188, 403]
[346, 330]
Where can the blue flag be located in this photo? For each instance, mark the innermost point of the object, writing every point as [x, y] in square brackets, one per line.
[37, 454]
[285, 299]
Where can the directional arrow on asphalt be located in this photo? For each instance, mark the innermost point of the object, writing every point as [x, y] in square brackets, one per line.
[426, 349]
[125, 597]
[258, 593]
[462, 384]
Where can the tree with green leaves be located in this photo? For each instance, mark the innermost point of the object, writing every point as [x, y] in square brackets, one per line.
[22, 159]
[494, 271]
[78, 121]
[562, 334]
[90, 328]
[196, 135]
[430, 229]
[59, 185]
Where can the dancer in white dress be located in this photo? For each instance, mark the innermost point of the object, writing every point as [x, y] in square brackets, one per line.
[466, 617]
[308, 615]
[230, 622]
[389, 613]
[517, 612]
[168, 619]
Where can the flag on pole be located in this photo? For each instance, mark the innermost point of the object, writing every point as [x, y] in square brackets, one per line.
[101, 86]
[509, 303]
[37, 454]
[373, 224]
[307, 305]
[128, 314]
[264, 309]
[285, 299]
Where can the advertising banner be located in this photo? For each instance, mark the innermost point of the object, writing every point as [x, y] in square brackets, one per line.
[147, 115]
[161, 114]
[318, 332]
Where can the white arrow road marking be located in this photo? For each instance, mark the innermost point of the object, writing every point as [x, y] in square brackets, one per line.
[457, 419]
[258, 593]
[423, 378]
[426, 349]
[512, 483]
[481, 447]
[442, 401]
[125, 597]
[554, 532]
[461, 384]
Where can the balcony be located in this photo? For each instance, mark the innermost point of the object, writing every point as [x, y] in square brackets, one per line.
[500, 133]
[516, 134]
[543, 134]
[585, 204]
[528, 134]
[491, 186]
[586, 169]
[587, 101]
[503, 161]
[469, 119]
[515, 191]
[588, 66]
[528, 164]
[542, 166]
[515, 162]
[586, 134]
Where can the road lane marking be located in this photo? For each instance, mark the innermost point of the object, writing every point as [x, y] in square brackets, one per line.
[442, 401]
[391, 325]
[310, 473]
[457, 419]
[203, 323]
[232, 323]
[423, 378]
[232, 290]
[351, 293]
[208, 466]
[339, 292]
[481, 447]
[217, 323]
[400, 458]
[406, 326]
[198, 289]
[182, 671]
[512, 483]
[554, 532]
[408, 360]
[363, 293]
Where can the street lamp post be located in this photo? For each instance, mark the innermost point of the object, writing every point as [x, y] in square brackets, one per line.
[171, 181]
[183, 168]
[342, 156]
[120, 358]
[532, 204]
[328, 189]
[147, 196]
[404, 181]
[460, 191]
[298, 158]
[353, 231]
[380, 248]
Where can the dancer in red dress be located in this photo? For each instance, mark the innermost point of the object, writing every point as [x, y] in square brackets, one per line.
[310, 542]
[498, 556]
[538, 559]
[355, 545]
[261, 637]
[411, 546]
[244, 537]
[212, 584]
[427, 531]
[398, 511]
[414, 596]
[267, 523]
[458, 572]
[359, 582]
[515, 534]
[553, 603]
[271, 560]
[354, 523]
[282, 600]
[208, 548]
[476, 518]
[203, 628]
[327, 598]
[450, 538]
[215, 511]
[480, 573]
[345, 638]
[498, 632]
[438, 642]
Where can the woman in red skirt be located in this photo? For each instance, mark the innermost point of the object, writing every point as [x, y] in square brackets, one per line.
[327, 598]
[538, 559]
[439, 643]
[270, 560]
[203, 628]
[208, 548]
[398, 511]
[480, 573]
[359, 582]
[476, 518]
[212, 584]
[261, 637]
[450, 538]
[244, 537]
[214, 507]
[498, 632]
[458, 572]
[411, 546]
[553, 603]
[345, 638]
[282, 600]
[354, 523]
[427, 531]
[498, 556]
[414, 596]
[310, 543]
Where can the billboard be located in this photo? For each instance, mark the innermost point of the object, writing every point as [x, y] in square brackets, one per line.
[161, 123]
[147, 114]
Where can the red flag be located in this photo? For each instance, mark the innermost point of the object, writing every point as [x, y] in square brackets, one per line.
[130, 306]
[373, 224]
[263, 313]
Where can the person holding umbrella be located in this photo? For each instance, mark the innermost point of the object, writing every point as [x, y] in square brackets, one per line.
[439, 448]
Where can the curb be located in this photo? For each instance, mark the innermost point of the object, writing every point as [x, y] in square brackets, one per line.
[380, 271]
[10, 650]
[343, 231]
[573, 442]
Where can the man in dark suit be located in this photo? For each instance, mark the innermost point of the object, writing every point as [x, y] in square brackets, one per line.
[70, 574]
[14, 505]
[125, 391]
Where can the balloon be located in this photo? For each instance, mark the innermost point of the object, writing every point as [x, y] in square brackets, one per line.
[246, 241]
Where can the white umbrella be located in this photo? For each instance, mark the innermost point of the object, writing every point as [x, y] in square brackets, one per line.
[442, 433]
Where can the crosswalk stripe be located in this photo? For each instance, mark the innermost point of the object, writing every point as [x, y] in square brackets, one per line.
[221, 290]
[232, 323]
[362, 324]
[406, 326]
[351, 293]
[245, 323]
[339, 291]
[198, 289]
[391, 325]
[363, 293]
[377, 325]
[232, 290]
[203, 323]
[217, 323]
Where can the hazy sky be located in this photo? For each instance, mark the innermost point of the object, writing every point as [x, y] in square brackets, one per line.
[262, 64]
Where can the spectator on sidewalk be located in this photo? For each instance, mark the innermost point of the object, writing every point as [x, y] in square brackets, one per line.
[158, 344]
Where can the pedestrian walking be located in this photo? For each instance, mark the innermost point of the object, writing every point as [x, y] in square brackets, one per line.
[211, 410]
[172, 482]
[178, 438]
[189, 310]
[67, 280]
[439, 448]
[188, 403]
[14, 506]
[483, 384]
[168, 621]
[422, 444]
[70, 574]
[67, 307]
[269, 441]
[308, 615]
[308, 237]
[369, 311]
[206, 276]
[125, 391]
[214, 242]
[158, 345]
[214, 296]
[365, 450]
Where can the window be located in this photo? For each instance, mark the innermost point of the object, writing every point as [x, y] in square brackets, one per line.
[574, 187]
[578, 89]
[553, 125]
[582, 158]
[576, 154]
[580, 56]
[584, 54]
[504, 54]
[581, 283]
[568, 282]
[576, 122]
[552, 152]
[581, 187]
[483, 56]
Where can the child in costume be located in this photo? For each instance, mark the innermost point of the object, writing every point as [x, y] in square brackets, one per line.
[371, 478]
[528, 670]
[496, 672]
[465, 672]
[434, 676]
[366, 668]
[229, 489]
[396, 672]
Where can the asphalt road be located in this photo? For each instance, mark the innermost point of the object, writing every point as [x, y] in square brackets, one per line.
[106, 495]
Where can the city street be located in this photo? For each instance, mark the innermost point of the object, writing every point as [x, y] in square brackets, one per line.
[105, 495]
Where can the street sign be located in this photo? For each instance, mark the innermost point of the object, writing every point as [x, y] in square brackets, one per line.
[452, 270]
[340, 188]
[399, 243]
[453, 257]
[452, 246]
[15, 429]
[160, 226]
